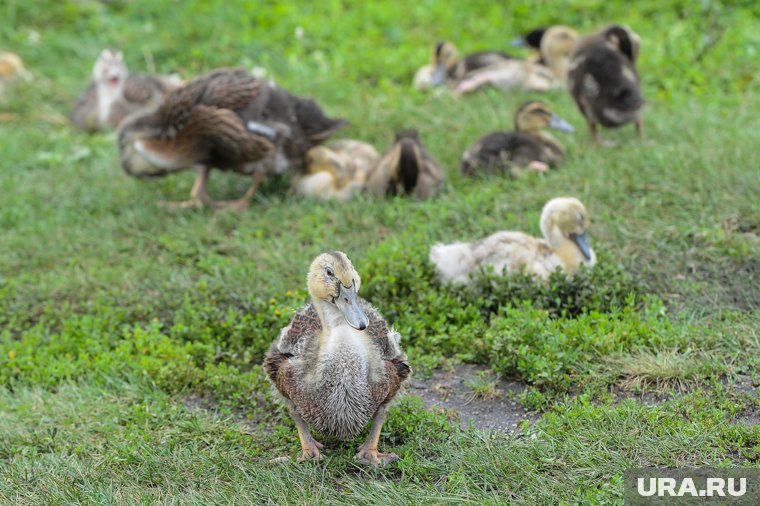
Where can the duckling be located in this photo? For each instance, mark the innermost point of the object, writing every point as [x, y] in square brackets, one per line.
[336, 171]
[446, 64]
[337, 365]
[526, 147]
[113, 93]
[228, 120]
[532, 39]
[603, 80]
[406, 168]
[564, 222]
[548, 72]
[11, 68]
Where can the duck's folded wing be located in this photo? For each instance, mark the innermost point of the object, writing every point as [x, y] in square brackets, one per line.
[85, 112]
[230, 138]
[388, 341]
[223, 89]
[291, 343]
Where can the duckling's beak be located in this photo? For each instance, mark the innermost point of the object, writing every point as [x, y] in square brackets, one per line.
[439, 75]
[581, 240]
[560, 124]
[346, 302]
[519, 42]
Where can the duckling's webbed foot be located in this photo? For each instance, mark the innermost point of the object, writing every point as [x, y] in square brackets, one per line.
[368, 453]
[198, 195]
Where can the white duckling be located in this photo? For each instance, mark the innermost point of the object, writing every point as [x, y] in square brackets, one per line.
[564, 222]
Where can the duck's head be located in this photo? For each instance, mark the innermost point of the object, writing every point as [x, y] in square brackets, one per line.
[556, 47]
[625, 40]
[110, 69]
[565, 219]
[333, 281]
[445, 57]
[534, 115]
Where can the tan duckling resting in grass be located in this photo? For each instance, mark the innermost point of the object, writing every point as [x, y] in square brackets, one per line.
[447, 65]
[337, 365]
[113, 93]
[564, 222]
[603, 79]
[548, 72]
[226, 120]
[405, 169]
[336, 171]
[527, 147]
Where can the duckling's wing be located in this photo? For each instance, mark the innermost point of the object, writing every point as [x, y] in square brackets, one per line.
[500, 151]
[293, 340]
[85, 112]
[386, 340]
[231, 89]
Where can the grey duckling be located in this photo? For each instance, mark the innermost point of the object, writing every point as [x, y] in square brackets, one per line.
[337, 365]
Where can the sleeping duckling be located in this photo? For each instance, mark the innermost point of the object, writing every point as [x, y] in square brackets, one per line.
[338, 365]
[528, 147]
[228, 120]
[113, 93]
[564, 222]
[336, 171]
[550, 71]
[406, 169]
[446, 65]
[603, 80]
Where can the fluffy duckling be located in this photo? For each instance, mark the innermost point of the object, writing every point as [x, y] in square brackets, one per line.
[548, 72]
[336, 171]
[564, 222]
[113, 93]
[528, 147]
[11, 68]
[603, 80]
[228, 120]
[406, 169]
[446, 65]
[338, 365]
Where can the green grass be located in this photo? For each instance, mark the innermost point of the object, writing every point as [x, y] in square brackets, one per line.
[114, 311]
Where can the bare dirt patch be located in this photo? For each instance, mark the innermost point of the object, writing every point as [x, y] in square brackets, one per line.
[460, 392]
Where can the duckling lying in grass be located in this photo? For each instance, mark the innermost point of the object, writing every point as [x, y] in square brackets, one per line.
[336, 171]
[446, 65]
[338, 365]
[113, 93]
[545, 73]
[564, 222]
[528, 147]
[603, 80]
[228, 120]
[405, 169]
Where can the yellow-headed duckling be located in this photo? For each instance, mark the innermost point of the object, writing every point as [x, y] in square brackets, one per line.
[405, 169]
[113, 93]
[527, 147]
[564, 222]
[603, 79]
[336, 171]
[227, 120]
[337, 364]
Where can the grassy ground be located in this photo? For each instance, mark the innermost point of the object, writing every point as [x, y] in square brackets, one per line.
[115, 312]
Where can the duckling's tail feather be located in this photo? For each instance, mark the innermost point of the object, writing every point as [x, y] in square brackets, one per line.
[453, 261]
[408, 165]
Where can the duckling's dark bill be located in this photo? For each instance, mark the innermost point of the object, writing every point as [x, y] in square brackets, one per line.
[347, 304]
[581, 240]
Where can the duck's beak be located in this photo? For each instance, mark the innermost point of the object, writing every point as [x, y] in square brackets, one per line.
[560, 124]
[348, 305]
[439, 75]
[581, 240]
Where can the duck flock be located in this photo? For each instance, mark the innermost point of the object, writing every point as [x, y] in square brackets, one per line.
[337, 364]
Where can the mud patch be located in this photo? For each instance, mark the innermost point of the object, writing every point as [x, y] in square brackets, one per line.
[471, 394]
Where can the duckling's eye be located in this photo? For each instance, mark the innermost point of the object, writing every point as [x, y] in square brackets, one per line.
[330, 272]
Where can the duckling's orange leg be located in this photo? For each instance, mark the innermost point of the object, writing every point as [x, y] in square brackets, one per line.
[368, 453]
[198, 195]
[640, 128]
[243, 203]
[309, 446]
